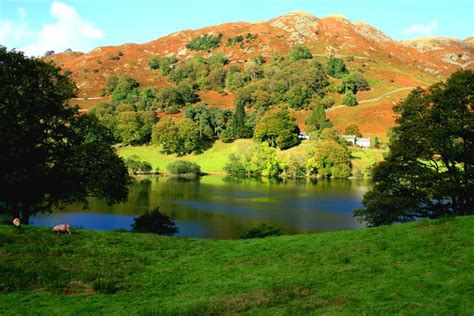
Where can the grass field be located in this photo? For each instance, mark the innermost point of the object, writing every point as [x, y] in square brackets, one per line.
[363, 159]
[424, 268]
[214, 159]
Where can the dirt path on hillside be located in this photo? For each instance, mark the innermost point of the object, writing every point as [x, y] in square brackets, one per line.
[90, 98]
[374, 99]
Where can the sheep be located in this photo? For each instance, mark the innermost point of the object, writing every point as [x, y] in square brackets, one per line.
[62, 228]
[17, 223]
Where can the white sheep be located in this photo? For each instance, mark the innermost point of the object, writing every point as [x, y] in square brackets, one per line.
[62, 228]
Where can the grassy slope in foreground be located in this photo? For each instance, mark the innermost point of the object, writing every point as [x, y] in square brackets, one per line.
[424, 267]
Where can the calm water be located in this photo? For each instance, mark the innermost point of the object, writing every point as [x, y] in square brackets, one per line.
[215, 208]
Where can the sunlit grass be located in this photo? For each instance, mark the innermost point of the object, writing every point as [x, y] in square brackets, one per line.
[418, 268]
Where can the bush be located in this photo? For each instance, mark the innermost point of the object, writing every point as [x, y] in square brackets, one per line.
[206, 42]
[261, 231]
[336, 67]
[233, 40]
[155, 222]
[137, 166]
[349, 99]
[299, 52]
[186, 169]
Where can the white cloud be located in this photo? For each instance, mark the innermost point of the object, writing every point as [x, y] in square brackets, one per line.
[70, 30]
[421, 29]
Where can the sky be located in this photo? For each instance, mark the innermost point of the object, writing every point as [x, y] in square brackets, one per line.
[37, 26]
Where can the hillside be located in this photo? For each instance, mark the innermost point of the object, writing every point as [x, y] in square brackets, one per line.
[418, 268]
[388, 65]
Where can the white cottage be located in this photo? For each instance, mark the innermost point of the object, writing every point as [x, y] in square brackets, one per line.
[363, 142]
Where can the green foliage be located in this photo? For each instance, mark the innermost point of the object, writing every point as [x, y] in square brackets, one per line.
[206, 42]
[294, 167]
[137, 166]
[428, 172]
[211, 121]
[279, 129]
[164, 64]
[258, 59]
[336, 67]
[121, 87]
[258, 160]
[183, 168]
[318, 120]
[260, 231]
[376, 141]
[218, 58]
[330, 160]
[299, 52]
[349, 99]
[354, 82]
[234, 40]
[164, 133]
[155, 222]
[182, 138]
[47, 148]
[353, 129]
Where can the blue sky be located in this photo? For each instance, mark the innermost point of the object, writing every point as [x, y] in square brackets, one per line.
[35, 26]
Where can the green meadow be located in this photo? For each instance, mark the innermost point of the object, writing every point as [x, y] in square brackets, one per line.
[424, 267]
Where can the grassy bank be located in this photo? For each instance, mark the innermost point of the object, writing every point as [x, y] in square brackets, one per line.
[417, 268]
[214, 159]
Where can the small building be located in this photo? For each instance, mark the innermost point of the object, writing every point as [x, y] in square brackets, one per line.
[303, 136]
[350, 139]
[363, 142]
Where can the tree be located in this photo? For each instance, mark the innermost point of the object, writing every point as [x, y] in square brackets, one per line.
[183, 168]
[354, 82]
[137, 166]
[49, 154]
[330, 159]
[352, 129]
[318, 120]
[336, 67]
[279, 129]
[155, 222]
[428, 172]
[349, 99]
[299, 52]
[164, 133]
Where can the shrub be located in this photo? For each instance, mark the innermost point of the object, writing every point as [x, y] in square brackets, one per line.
[299, 52]
[349, 99]
[353, 129]
[186, 169]
[336, 67]
[233, 40]
[261, 231]
[155, 222]
[206, 42]
[137, 166]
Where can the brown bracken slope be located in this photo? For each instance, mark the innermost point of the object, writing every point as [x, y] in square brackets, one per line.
[388, 64]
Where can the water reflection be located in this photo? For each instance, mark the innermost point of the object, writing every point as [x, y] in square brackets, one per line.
[216, 207]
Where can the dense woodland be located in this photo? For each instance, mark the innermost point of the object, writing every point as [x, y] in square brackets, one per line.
[266, 92]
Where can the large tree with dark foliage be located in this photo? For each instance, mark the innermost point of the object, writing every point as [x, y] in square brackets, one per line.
[49, 154]
[429, 171]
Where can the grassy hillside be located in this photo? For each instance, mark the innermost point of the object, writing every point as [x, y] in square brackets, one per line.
[424, 267]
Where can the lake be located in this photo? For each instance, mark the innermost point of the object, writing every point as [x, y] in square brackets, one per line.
[214, 207]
